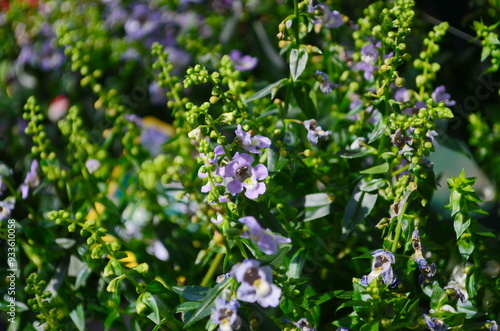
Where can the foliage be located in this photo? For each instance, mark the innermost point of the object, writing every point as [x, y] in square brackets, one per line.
[197, 165]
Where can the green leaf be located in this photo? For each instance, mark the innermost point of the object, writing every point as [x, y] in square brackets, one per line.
[315, 200]
[377, 132]
[482, 230]
[298, 62]
[296, 264]
[187, 306]
[355, 153]
[461, 225]
[314, 213]
[149, 300]
[378, 169]
[78, 317]
[275, 162]
[156, 287]
[324, 297]
[265, 91]
[108, 323]
[277, 259]
[465, 247]
[438, 297]
[372, 185]
[208, 302]
[191, 293]
[306, 98]
[359, 206]
[354, 303]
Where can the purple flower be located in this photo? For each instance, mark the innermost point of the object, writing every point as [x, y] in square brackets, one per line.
[50, 57]
[242, 62]
[265, 239]
[92, 165]
[6, 207]
[435, 324]
[427, 270]
[142, 22]
[246, 176]
[401, 141]
[226, 315]
[325, 85]
[251, 144]
[430, 136]
[494, 325]
[304, 325]
[256, 284]
[217, 172]
[369, 56]
[456, 292]
[31, 181]
[154, 132]
[314, 132]
[403, 95]
[440, 94]
[381, 266]
[328, 19]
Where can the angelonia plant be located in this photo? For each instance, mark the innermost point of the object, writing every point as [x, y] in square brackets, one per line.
[238, 165]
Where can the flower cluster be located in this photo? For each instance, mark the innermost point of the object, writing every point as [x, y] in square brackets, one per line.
[238, 173]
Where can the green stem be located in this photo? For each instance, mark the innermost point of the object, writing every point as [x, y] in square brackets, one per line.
[399, 228]
[211, 271]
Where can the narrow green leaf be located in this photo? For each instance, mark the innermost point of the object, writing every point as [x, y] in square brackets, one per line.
[78, 317]
[314, 213]
[466, 247]
[378, 169]
[296, 264]
[187, 306]
[359, 206]
[377, 132]
[355, 153]
[191, 293]
[372, 185]
[265, 91]
[298, 62]
[314, 200]
[208, 302]
[306, 98]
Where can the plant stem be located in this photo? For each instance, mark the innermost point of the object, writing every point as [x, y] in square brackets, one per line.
[399, 227]
[211, 271]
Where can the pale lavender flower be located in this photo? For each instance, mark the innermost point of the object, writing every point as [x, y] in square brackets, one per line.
[218, 172]
[50, 57]
[256, 284]
[314, 131]
[494, 325]
[92, 165]
[402, 95]
[217, 220]
[381, 266]
[304, 325]
[325, 84]
[440, 94]
[401, 141]
[6, 207]
[251, 144]
[142, 22]
[31, 181]
[242, 62]
[328, 19]
[434, 324]
[369, 56]
[456, 292]
[246, 176]
[264, 238]
[226, 315]
[153, 136]
[430, 136]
